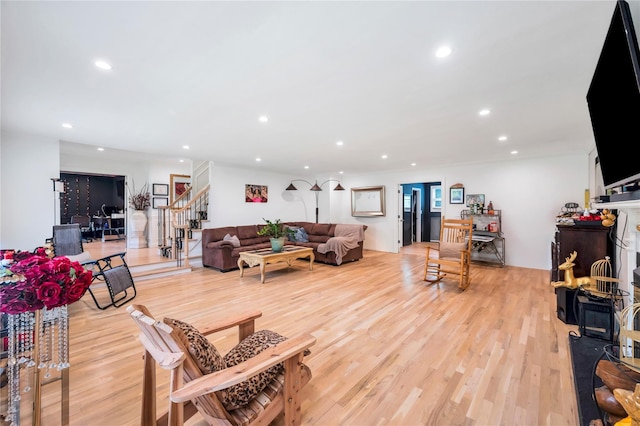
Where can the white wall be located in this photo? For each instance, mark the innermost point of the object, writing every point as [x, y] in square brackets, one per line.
[530, 193]
[136, 171]
[161, 173]
[228, 206]
[27, 200]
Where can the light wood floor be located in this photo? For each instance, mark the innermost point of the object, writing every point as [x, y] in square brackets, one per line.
[134, 257]
[391, 349]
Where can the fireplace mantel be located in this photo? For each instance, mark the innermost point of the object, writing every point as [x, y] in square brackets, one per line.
[628, 221]
[631, 205]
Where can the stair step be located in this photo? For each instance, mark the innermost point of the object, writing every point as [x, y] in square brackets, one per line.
[160, 272]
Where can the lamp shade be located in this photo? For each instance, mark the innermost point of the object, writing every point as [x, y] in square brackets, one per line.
[291, 187]
[315, 187]
[338, 187]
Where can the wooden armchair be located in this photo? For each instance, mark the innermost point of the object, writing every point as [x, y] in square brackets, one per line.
[191, 391]
[453, 255]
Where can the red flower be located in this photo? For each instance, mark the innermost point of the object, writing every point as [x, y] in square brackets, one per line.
[15, 307]
[35, 281]
[75, 291]
[10, 295]
[49, 293]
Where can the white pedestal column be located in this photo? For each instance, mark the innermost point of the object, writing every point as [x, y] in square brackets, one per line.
[136, 238]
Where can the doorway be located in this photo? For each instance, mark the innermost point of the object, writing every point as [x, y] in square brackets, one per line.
[91, 195]
[421, 212]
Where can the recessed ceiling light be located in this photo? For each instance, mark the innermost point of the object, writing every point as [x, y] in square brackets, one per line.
[502, 138]
[484, 112]
[413, 164]
[100, 149]
[103, 65]
[514, 152]
[341, 172]
[384, 156]
[258, 159]
[443, 52]
[185, 146]
[339, 143]
[306, 167]
[67, 126]
[263, 119]
[182, 161]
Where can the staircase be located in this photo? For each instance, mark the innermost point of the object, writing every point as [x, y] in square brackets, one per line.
[180, 228]
[157, 270]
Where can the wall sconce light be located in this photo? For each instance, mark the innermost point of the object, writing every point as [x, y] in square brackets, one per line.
[58, 185]
[315, 188]
[58, 188]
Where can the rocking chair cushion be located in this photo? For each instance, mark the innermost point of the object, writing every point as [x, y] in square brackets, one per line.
[201, 349]
[451, 250]
[241, 394]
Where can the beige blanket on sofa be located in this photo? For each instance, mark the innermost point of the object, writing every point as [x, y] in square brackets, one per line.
[346, 238]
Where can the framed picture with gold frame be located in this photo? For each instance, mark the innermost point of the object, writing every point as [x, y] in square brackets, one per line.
[178, 186]
[367, 201]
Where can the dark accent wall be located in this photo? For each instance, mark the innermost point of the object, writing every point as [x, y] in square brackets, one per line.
[85, 194]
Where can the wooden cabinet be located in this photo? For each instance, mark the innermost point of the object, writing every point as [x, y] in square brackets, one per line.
[590, 242]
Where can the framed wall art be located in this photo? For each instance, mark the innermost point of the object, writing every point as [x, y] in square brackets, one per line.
[256, 193]
[456, 195]
[160, 202]
[436, 198]
[161, 189]
[179, 185]
[367, 201]
[475, 199]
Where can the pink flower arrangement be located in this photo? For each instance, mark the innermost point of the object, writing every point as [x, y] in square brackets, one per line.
[32, 281]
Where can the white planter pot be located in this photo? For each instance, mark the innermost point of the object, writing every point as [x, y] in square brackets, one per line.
[136, 238]
[277, 244]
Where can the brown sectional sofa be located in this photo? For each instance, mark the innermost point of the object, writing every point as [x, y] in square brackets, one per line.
[223, 256]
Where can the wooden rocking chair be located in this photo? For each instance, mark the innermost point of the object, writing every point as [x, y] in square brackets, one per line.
[197, 391]
[453, 255]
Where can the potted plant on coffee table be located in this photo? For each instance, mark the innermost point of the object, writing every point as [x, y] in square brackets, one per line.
[277, 232]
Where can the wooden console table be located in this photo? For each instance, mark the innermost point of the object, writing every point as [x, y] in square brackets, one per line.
[265, 256]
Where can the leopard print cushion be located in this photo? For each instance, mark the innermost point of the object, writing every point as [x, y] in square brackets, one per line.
[201, 349]
[239, 395]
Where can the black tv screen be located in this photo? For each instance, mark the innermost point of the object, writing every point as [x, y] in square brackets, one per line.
[614, 101]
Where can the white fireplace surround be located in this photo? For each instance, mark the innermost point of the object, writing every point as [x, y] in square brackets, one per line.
[626, 245]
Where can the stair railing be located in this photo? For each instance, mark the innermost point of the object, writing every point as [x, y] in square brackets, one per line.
[187, 215]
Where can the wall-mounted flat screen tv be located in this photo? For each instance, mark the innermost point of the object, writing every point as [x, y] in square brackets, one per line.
[614, 101]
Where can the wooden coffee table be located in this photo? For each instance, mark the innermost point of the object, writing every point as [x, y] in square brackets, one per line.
[264, 256]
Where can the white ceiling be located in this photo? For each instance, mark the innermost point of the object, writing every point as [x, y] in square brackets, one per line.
[200, 73]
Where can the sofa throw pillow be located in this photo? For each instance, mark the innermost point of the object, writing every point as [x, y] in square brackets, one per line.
[201, 349]
[239, 395]
[234, 240]
[302, 236]
[292, 236]
[451, 250]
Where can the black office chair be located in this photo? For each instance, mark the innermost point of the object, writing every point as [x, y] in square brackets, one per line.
[67, 239]
[116, 276]
[85, 227]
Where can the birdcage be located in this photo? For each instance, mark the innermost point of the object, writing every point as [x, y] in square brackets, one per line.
[630, 335]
